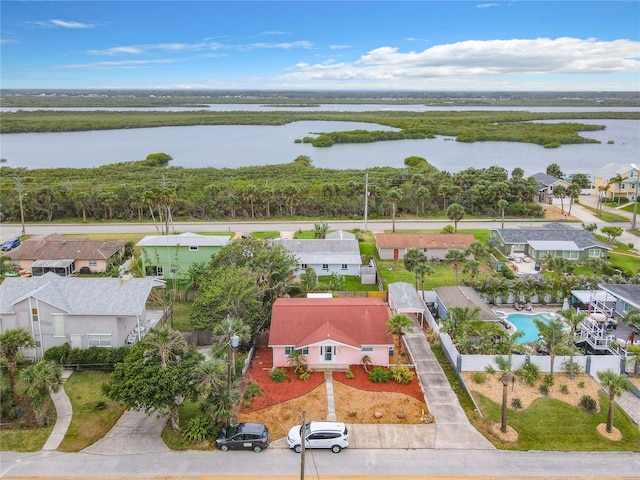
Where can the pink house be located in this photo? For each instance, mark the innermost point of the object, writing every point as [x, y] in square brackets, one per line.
[332, 333]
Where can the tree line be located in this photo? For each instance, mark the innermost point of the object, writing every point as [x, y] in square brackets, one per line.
[148, 191]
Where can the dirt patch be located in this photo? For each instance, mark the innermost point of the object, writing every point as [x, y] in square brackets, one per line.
[614, 436]
[575, 389]
[357, 400]
[551, 212]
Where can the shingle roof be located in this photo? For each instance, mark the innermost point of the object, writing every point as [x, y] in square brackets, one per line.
[315, 251]
[187, 239]
[79, 296]
[424, 240]
[465, 297]
[340, 235]
[301, 322]
[628, 293]
[544, 180]
[550, 232]
[57, 247]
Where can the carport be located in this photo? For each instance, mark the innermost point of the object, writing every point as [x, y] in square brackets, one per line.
[405, 299]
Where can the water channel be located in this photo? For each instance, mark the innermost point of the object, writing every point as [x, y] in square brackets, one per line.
[231, 146]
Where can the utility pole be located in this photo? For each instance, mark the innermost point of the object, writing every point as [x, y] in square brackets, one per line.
[366, 199]
[302, 432]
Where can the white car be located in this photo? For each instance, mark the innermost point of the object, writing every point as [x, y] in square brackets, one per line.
[333, 435]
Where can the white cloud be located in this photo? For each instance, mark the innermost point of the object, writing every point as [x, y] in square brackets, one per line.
[163, 47]
[56, 23]
[124, 64]
[283, 45]
[487, 5]
[483, 58]
[339, 47]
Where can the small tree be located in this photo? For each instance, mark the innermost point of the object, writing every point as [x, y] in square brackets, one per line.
[297, 361]
[455, 213]
[502, 205]
[394, 195]
[552, 337]
[12, 341]
[320, 230]
[398, 325]
[614, 385]
[36, 382]
[573, 319]
[456, 258]
[506, 378]
[612, 233]
[309, 280]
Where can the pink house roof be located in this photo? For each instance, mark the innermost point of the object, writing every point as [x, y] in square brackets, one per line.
[301, 322]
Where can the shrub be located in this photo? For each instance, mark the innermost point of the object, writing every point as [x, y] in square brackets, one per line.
[349, 374]
[588, 403]
[253, 390]
[548, 380]
[199, 428]
[479, 377]
[516, 403]
[544, 389]
[58, 354]
[305, 375]
[97, 358]
[489, 369]
[581, 384]
[529, 373]
[380, 375]
[278, 375]
[564, 389]
[402, 374]
[566, 367]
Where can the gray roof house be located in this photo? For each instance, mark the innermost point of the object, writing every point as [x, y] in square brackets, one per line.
[463, 297]
[325, 256]
[546, 184]
[405, 299]
[558, 239]
[627, 297]
[84, 312]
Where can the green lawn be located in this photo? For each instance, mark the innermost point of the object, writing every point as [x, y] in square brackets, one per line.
[550, 424]
[93, 413]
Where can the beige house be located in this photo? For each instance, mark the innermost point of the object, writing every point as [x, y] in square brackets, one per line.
[393, 246]
[65, 255]
[546, 184]
[627, 187]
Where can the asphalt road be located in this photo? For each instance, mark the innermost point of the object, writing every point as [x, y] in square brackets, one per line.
[282, 463]
[8, 230]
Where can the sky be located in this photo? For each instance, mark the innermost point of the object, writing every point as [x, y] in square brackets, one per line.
[321, 45]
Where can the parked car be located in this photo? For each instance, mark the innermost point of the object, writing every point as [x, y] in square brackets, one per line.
[243, 436]
[321, 434]
[10, 244]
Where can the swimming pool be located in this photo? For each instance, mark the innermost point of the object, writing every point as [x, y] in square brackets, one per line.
[524, 323]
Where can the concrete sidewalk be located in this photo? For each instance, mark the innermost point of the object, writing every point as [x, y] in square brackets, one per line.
[63, 415]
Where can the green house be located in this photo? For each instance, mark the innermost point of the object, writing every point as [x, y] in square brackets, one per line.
[171, 256]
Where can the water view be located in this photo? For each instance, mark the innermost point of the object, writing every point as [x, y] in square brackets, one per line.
[231, 146]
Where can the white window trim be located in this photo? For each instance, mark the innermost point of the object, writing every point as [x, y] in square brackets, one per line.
[101, 342]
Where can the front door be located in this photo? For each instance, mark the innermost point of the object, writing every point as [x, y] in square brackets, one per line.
[328, 354]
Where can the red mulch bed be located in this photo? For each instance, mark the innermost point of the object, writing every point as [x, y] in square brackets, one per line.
[274, 393]
[362, 382]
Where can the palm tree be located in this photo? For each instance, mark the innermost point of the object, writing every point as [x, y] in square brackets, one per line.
[472, 268]
[12, 341]
[573, 191]
[506, 377]
[297, 361]
[456, 316]
[320, 230]
[210, 376]
[560, 192]
[36, 381]
[394, 197]
[412, 258]
[251, 193]
[552, 337]
[502, 205]
[422, 270]
[455, 213]
[477, 249]
[456, 258]
[167, 344]
[572, 319]
[614, 384]
[398, 325]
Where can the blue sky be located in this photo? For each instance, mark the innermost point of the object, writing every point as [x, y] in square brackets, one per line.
[329, 45]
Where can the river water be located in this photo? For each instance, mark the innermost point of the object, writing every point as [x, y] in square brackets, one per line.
[230, 146]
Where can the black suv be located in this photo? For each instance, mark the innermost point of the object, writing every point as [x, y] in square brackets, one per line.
[243, 436]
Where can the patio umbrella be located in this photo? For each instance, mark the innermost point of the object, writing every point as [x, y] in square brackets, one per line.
[565, 304]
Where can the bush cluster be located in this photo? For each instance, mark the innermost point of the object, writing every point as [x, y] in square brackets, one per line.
[380, 375]
[278, 375]
[92, 358]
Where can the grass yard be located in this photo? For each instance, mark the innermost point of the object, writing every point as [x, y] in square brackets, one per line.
[553, 425]
[93, 413]
[181, 315]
